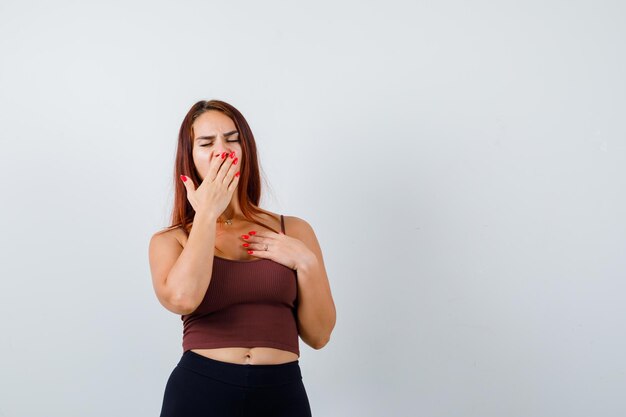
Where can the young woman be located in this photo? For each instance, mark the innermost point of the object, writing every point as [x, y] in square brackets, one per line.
[247, 282]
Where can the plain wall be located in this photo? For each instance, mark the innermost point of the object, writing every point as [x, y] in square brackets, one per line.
[462, 163]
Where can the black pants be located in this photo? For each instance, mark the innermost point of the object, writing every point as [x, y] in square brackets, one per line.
[203, 387]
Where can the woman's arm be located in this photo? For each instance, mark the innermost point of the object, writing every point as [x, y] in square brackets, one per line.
[181, 279]
[316, 309]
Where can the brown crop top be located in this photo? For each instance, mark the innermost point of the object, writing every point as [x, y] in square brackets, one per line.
[247, 304]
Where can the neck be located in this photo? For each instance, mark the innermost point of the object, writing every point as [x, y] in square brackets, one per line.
[231, 212]
[228, 214]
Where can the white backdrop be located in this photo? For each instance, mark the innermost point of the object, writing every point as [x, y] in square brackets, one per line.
[462, 163]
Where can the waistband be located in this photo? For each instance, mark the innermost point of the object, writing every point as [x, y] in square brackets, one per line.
[246, 375]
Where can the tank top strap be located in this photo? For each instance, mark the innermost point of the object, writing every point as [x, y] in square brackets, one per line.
[282, 224]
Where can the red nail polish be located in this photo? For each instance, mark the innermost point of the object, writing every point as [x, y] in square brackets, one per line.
[252, 232]
[223, 155]
[250, 252]
[182, 177]
[232, 154]
[245, 236]
[246, 245]
[235, 161]
[237, 174]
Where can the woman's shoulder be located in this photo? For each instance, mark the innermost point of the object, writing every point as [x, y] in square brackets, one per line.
[302, 230]
[172, 233]
[294, 225]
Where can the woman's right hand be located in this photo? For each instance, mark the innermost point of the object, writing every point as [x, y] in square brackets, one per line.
[217, 187]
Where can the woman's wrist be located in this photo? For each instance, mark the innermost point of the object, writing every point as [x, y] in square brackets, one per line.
[205, 217]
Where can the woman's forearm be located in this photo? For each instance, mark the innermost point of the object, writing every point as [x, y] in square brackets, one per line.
[189, 278]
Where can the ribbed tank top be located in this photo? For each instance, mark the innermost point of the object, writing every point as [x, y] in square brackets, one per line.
[247, 304]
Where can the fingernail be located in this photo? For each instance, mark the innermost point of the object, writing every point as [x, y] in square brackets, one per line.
[245, 236]
[223, 155]
[232, 154]
[252, 232]
[235, 161]
[246, 244]
[237, 174]
[250, 252]
[182, 177]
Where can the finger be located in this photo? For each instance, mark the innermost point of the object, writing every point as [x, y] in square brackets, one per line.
[250, 239]
[257, 247]
[214, 165]
[232, 170]
[263, 234]
[234, 182]
[188, 183]
[221, 174]
[190, 189]
[260, 253]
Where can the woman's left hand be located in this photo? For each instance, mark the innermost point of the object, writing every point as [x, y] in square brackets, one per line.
[278, 247]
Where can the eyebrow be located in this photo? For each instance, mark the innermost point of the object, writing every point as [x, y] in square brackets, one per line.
[213, 136]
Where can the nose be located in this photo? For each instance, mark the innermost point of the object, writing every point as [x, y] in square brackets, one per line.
[221, 149]
[221, 146]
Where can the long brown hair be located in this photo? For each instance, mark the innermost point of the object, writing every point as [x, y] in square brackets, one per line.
[249, 187]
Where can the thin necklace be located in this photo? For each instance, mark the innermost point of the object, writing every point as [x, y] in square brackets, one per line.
[227, 221]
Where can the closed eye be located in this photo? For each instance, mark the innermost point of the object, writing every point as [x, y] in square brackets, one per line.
[230, 141]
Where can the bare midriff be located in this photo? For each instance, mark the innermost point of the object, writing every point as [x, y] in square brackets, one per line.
[249, 356]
